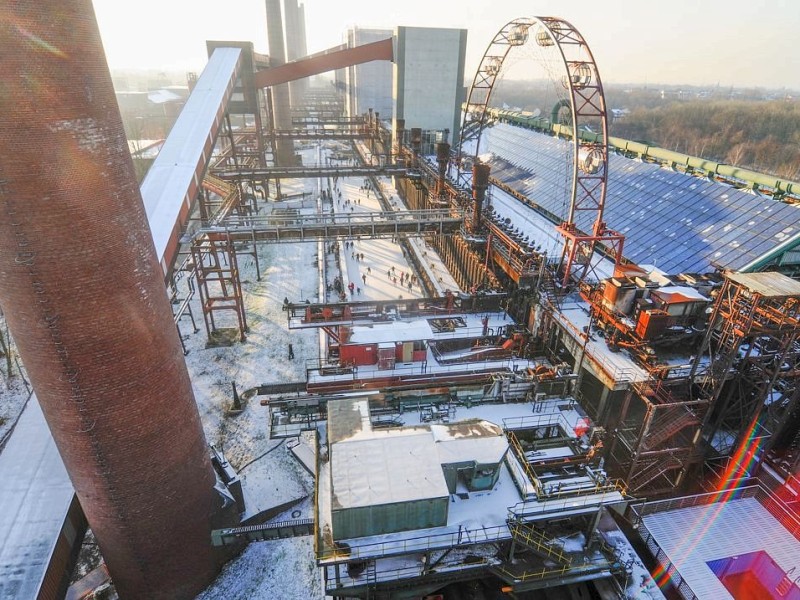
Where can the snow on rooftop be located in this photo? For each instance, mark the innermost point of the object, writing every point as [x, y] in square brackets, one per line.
[371, 467]
[394, 331]
[472, 440]
[386, 470]
[163, 96]
[574, 314]
[769, 284]
[679, 293]
[181, 163]
[347, 417]
[420, 329]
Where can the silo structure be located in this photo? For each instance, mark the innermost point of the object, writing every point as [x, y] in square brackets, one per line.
[84, 296]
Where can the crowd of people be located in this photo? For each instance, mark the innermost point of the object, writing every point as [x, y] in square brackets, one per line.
[360, 266]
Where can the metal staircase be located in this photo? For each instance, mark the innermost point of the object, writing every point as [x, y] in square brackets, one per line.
[527, 535]
[671, 422]
[652, 471]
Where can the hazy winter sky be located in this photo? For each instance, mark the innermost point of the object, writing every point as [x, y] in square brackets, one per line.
[702, 42]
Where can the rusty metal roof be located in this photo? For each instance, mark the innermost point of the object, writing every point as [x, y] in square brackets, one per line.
[768, 284]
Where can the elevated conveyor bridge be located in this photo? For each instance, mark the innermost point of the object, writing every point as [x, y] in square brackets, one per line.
[258, 174]
[321, 226]
[321, 134]
[262, 533]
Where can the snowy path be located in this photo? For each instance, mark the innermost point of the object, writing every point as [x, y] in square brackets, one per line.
[372, 273]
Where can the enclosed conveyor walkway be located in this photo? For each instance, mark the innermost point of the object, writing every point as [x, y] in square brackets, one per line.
[171, 185]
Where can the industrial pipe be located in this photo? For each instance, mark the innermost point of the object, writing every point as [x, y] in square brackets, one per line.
[442, 160]
[480, 182]
[84, 297]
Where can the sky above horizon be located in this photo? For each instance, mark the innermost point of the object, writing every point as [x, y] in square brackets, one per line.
[716, 42]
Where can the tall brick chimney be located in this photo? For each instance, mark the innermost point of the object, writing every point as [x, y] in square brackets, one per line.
[85, 300]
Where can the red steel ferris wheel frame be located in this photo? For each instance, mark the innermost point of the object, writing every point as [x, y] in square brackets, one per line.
[586, 101]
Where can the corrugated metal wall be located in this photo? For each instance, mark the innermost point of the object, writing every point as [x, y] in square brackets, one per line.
[389, 518]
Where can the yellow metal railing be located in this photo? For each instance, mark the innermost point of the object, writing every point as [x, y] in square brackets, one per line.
[607, 486]
[545, 572]
[538, 542]
[515, 445]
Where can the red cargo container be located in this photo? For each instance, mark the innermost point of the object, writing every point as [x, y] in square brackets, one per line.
[358, 354]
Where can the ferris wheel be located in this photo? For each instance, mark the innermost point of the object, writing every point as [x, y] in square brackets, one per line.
[580, 107]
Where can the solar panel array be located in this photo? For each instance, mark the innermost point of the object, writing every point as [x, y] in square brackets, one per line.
[678, 222]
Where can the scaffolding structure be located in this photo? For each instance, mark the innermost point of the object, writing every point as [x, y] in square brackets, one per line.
[751, 376]
[658, 427]
[219, 284]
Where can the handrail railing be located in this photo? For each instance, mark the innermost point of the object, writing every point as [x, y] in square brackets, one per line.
[408, 572]
[568, 500]
[529, 472]
[648, 508]
[669, 572]
[545, 572]
[536, 421]
[538, 542]
[416, 544]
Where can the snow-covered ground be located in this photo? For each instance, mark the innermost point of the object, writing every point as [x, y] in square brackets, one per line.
[283, 569]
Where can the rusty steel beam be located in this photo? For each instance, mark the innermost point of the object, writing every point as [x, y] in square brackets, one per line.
[323, 63]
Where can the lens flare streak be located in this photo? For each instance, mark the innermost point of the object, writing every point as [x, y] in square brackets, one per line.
[740, 464]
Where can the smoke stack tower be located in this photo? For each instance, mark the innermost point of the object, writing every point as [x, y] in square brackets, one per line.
[480, 183]
[85, 299]
[282, 113]
[294, 15]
